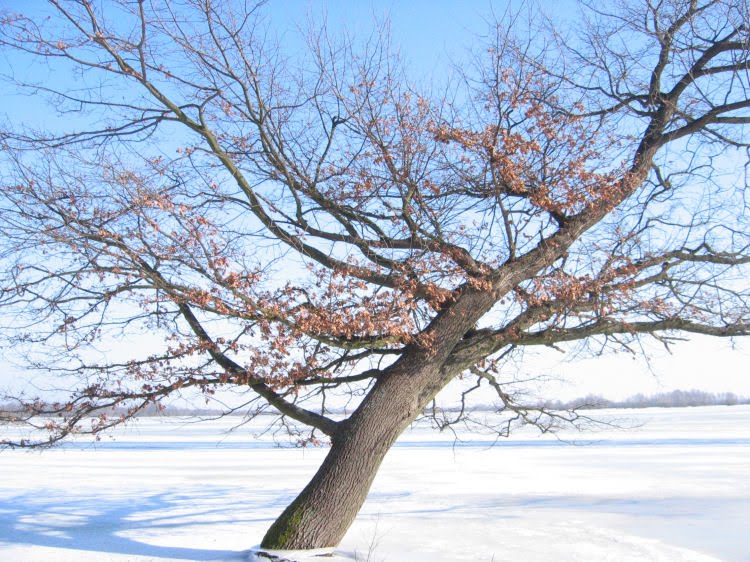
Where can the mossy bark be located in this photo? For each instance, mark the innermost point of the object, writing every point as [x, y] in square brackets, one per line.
[320, 516]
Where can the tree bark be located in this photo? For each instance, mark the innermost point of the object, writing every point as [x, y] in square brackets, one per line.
[322, 513]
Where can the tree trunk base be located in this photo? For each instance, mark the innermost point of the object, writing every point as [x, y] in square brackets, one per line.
[321, 514]
[312, 555]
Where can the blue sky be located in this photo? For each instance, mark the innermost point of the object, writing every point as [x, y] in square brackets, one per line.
[428, 33]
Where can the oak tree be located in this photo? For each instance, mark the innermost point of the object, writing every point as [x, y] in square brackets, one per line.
[292, 224]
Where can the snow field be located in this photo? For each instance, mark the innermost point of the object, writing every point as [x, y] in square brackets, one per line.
[673, 488]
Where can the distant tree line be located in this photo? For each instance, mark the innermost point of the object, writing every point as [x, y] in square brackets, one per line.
[673, 399]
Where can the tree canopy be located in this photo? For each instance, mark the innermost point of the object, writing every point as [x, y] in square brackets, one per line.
[289, 224]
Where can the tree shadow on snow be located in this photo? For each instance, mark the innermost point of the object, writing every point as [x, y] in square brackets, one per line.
[122, 524]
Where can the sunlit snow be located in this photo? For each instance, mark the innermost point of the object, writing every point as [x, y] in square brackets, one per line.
[673, 487]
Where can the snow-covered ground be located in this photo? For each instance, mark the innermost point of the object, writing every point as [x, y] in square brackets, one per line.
[674, 488]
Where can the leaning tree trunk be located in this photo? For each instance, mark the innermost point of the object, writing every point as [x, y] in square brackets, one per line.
[320, 516]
